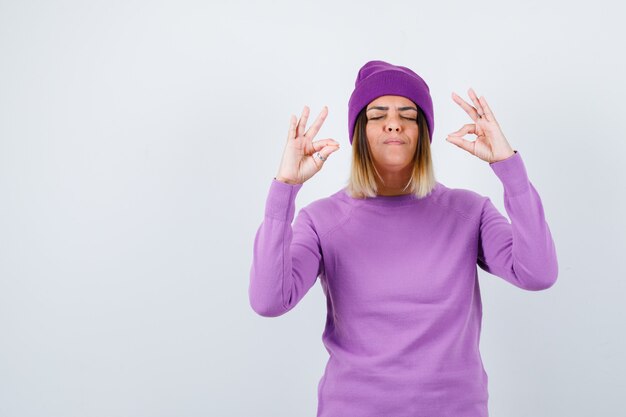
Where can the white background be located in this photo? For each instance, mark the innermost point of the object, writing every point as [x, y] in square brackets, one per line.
[138, 140]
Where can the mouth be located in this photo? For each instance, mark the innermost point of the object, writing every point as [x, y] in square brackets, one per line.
[394, 141]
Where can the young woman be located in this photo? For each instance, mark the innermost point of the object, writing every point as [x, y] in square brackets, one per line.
[397, 251]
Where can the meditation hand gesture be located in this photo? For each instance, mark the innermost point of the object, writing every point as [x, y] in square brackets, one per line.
[490, 144]
[302, 157]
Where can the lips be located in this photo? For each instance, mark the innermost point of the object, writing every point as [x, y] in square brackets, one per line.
[393, 141]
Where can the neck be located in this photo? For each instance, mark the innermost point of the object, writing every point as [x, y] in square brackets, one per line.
[394, 183]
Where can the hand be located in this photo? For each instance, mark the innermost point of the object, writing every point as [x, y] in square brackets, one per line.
[490, 144]
[300, 160]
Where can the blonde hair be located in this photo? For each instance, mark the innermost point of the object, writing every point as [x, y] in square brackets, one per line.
[362, 180]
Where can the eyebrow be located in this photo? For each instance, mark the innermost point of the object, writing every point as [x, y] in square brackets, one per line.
[387, 108]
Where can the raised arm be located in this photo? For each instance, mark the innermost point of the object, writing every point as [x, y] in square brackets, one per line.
[522, 252]
[287, 259]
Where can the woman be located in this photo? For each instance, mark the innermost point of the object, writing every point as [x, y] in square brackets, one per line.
[397, 252]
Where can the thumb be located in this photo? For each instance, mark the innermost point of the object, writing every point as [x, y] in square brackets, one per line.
[461, 143]
[327, 150]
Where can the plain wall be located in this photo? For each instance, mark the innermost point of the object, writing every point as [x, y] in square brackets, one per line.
[138, 141]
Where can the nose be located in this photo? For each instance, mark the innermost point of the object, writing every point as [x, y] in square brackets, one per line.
[393, 124]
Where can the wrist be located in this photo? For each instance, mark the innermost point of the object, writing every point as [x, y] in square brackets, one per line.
[286, 181]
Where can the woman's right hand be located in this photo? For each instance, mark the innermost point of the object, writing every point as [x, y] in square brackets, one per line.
[299, 161]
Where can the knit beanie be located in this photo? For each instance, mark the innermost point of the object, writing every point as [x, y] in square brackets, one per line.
[380, 78]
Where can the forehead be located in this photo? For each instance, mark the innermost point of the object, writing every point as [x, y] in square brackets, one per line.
[391, 101]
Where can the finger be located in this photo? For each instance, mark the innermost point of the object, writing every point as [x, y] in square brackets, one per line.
[473, 128]
[319, 144]
[466, 129]
[302, 122]
[469, 109]
[324, 152]
[488, 113]
[327, 150]
[474, 97]
[317, 124]
[462, 143]
[292, 128]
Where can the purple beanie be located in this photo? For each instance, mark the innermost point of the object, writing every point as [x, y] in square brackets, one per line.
[379, 78]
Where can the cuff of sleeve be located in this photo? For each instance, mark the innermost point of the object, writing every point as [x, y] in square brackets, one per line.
[281, 199]
[512, 173]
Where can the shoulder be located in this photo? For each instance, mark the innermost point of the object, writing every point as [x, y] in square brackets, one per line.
[465, 202]
[329, 212]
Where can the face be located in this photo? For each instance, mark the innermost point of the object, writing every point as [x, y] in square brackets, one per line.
[392, 131]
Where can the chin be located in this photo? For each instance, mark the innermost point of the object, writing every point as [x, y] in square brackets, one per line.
[395, 163]
[396, 158]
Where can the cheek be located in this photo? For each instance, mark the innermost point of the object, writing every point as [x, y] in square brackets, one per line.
[414, 132]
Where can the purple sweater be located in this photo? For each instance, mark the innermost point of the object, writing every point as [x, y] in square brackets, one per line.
[401, 284]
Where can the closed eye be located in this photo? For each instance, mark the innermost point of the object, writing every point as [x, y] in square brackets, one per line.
[380, 117]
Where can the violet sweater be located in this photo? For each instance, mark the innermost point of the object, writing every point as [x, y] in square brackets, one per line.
[401, 284]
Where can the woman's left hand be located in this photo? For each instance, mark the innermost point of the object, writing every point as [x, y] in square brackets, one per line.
[490, 144]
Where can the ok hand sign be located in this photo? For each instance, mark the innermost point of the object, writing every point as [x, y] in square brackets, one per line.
[490, 144]
[303, 158]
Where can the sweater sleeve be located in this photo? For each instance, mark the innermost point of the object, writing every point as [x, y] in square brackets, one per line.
[286, 259]
[522, 252]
